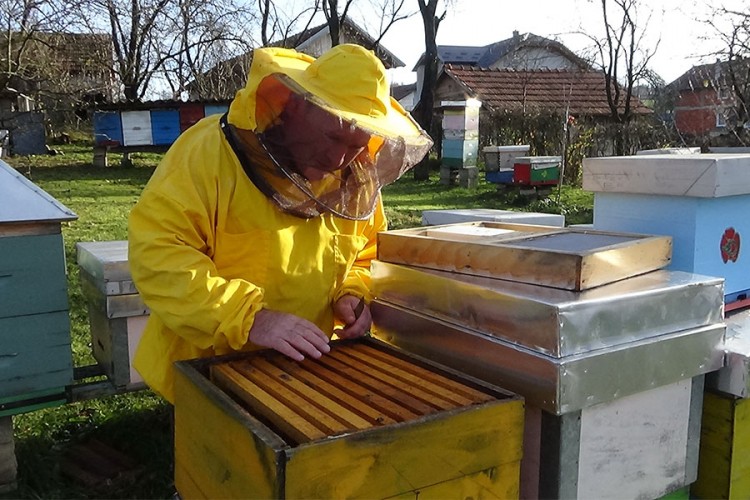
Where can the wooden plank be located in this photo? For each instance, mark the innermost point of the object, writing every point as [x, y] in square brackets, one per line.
[32, 275]
[384, 373]
[289, 422]
[386, 405]
[316, 415]
[28, 229]
[410, 384]
[371, 413]
[219, 447]
[378, 383]
[713, 474]
[320, 399]
[495, 483]
[414, 374]
[538, 256]
[386, 461]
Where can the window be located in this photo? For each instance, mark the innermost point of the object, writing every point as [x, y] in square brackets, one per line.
[721, 119]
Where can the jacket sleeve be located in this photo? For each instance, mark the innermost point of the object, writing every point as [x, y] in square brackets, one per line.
[170, 234]
[357, 280]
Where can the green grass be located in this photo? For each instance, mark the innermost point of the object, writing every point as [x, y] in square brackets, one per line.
[138, 424]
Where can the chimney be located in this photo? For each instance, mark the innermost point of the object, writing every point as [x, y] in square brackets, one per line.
[516, 36]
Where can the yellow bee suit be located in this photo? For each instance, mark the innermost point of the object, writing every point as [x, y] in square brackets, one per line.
[207, 250]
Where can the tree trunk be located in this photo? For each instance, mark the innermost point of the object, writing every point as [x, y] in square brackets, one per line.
[424, 111]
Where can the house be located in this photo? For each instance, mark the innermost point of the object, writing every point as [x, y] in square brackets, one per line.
[503, 90]
[705, 101]
[522, 51]
[405, 94]
[54, 70]
[226, 78]
[528, 105]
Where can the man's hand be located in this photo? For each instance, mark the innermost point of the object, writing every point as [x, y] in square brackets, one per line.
[289, 334]
[355, 314]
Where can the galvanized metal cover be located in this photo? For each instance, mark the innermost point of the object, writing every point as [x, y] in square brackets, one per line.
[556, 322]
[734, 377]
[557, 385]
[106, 262]
[24, 201]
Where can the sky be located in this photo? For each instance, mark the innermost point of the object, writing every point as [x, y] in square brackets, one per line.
[684, 40]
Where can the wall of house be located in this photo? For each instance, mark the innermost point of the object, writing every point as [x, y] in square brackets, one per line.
[534, 58]
[449, 90]
[695, 111]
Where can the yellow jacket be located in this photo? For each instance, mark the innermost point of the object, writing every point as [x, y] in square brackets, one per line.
[207, 250]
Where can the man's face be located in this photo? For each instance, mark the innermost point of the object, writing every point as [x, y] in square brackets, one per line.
[319, 142]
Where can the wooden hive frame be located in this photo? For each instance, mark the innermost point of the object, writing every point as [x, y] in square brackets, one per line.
[354, 387]
[568, 258]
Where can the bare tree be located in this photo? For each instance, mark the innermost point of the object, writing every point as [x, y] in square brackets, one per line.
[623, 56]
[334, 18]
[201, 35]
[424, 110]
[731, 76]
[32, 56]
[387, 13]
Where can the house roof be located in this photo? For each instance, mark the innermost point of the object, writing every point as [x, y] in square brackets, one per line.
[301, 39]
[487, 55]
[706, 76]
[400, 91]
[235, 68]
[581, 92]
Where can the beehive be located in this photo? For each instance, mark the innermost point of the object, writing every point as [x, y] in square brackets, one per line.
[365, 420]
[700, 200]
[36, 363]
[117, 314]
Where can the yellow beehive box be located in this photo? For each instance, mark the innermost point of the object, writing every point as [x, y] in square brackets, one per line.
[724, 461]
[365, 421]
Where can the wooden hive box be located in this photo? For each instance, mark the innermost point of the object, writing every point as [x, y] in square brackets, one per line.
[724, 466]
[536, 170]
[567, 258]
[700, 200]
[724, 463]
[364, 421]
[117, 314]
[36, 362]
[165, 126]
[136, 128]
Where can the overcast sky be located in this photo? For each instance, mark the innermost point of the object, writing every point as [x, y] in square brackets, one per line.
[675, 24]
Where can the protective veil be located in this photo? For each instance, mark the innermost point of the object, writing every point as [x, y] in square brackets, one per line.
[278, 91]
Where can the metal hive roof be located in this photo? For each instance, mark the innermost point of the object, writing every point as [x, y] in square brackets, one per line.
[23, 201]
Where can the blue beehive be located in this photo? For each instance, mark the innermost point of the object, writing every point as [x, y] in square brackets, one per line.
[165, 126]
[36, 362]
[701, 200]
[215, 109]
[107, 128]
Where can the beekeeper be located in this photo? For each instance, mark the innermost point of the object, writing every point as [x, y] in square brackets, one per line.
[258, 227]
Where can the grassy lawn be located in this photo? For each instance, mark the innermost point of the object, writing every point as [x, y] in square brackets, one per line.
[138, 424]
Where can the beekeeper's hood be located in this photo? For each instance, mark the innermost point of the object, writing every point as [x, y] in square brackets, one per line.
[344, 97]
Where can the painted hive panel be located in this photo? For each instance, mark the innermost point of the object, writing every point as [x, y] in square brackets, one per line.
[107, 128]
[165, 126]
[136, 128]
[215, 109]
[32, 278]
[707, 232]
[190, 114]
[36, 354]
